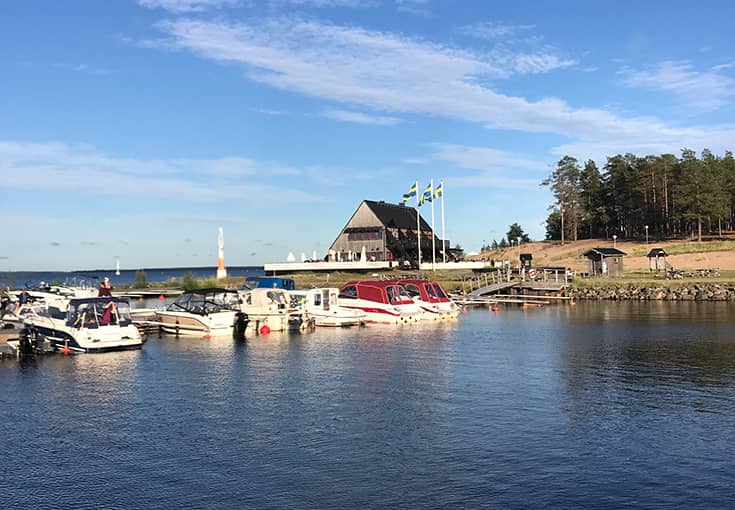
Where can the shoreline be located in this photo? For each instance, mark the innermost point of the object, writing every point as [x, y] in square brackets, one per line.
[693, 291]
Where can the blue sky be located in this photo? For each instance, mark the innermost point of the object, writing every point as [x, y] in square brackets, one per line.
[136, 128]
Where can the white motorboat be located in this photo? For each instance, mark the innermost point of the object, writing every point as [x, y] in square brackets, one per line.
[85, 324]
[432, 299]
[321, 305]
[383, 301]
[201, 312]
[272, 308]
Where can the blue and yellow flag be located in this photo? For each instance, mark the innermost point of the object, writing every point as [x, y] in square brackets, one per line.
[411, 192]
[439, 191]
[427, 195]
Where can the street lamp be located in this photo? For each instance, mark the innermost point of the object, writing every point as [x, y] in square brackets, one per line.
[615, 238]
[519, 251]
[646, 227]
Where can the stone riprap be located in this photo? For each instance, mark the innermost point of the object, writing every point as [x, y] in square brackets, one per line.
[690, 292]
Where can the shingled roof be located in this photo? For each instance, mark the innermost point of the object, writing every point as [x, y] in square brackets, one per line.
[605, 252]
[396, 216]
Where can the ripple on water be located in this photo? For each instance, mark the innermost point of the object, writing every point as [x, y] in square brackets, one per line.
[609, 405]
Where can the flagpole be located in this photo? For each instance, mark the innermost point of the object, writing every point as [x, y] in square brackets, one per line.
[433, 236]
[418, 222]
[444, 236]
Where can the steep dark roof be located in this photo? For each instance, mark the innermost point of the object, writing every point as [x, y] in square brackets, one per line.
[605, 252]
[396, 216]
[657, 252]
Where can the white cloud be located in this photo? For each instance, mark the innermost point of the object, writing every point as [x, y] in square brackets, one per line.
[483, 158]
[494, 29]
[396, 74]
[66, 168]
[84, 68]
[328, 3]
[360, 118]
[181, 6]
[415, 7]
[706, 90]
[494, 168]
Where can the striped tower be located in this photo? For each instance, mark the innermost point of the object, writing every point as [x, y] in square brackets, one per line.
[221, 271]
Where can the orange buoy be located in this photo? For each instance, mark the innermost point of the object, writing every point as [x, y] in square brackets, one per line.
[65, 351]
[264, 329]
[207, 337]
[495, 308]
[571, 302]
[161, 298]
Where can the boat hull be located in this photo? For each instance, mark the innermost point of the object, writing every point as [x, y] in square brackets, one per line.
[380, 313]
[189, 324]
[84, 341]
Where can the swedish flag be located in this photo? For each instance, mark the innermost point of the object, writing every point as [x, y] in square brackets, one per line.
[439, 191]
[411, 192]
[427, 195]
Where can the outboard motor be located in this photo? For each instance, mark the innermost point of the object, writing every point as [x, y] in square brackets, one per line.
[240, 325]
[26, 341]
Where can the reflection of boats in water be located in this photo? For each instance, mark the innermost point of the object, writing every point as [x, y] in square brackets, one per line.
[85, 324]
[321, 305]
[201, 312]
[382, 301]
[272, 307]
[432, 299]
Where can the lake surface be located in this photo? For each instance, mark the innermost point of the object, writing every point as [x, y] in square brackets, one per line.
[20, 279]
[602, 405]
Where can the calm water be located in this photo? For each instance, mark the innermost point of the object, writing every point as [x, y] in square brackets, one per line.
[19, 279]
[597, 406]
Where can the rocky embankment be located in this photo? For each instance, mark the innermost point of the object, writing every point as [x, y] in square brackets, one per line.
[686, 292]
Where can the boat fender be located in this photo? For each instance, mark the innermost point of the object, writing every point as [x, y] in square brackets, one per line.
[264, 329]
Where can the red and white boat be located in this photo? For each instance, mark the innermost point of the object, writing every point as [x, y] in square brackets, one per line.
[385, 302]
[432, 299]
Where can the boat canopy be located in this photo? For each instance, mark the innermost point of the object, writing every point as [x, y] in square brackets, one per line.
[266, 297]
[387, 292]
[206, 301]
[426, 290]
[97, 312]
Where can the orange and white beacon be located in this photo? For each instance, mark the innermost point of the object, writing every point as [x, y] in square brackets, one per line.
[221, 271]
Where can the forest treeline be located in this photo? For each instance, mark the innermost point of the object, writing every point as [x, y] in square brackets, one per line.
[634, 196]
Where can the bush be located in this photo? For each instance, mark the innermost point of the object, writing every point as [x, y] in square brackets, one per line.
[189, 282]
[141, 280]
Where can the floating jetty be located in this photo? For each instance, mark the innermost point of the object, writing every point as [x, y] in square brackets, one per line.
[485, 289]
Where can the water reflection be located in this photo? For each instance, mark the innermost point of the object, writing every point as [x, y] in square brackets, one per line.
[602, 403]
[662, 357]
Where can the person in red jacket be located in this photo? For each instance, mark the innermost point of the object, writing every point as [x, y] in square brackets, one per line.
[105, 288]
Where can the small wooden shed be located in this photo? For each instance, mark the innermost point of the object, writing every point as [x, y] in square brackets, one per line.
[525, 260]
[605, 261]
[657, 259]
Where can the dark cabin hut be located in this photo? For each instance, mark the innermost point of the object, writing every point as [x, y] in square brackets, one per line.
[605, 261]
[657, 259]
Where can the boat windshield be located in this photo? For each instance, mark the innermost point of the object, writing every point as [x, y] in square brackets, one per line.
[439, 291]
[412, 289]
[205, 302]
[98, 313]
[404, 297]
